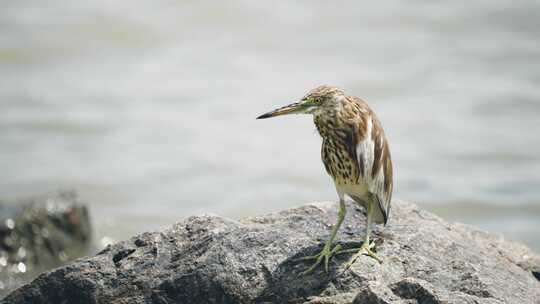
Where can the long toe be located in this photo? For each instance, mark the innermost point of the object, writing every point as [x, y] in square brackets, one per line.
[372, 254]
[324, 256]
[365, 249]
[312, 268]
[306, 258]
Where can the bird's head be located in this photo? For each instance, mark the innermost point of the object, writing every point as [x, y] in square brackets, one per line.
[316, 101]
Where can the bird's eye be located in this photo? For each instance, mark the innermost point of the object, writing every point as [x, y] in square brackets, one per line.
[312, 100]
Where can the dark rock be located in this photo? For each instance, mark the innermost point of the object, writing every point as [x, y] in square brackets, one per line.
[40, 233]
[209, 259]
[376, 293]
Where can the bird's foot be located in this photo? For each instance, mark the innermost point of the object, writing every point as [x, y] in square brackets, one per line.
[367, 248]
[325, 255]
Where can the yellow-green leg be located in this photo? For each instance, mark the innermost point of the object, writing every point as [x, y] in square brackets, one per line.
[328, 251]
[367, 247]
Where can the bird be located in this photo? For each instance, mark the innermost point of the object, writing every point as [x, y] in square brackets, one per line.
[356, 154]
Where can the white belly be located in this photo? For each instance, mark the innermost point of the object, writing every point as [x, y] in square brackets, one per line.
[358, 190]
[361, 192]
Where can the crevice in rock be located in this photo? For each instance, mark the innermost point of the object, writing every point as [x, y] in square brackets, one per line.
[414, 290]
[122, 254]
[140, 242]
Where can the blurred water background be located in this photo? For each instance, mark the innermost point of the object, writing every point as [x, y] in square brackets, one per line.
[147, 108]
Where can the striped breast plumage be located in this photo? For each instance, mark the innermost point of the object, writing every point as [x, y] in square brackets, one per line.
[356, 154]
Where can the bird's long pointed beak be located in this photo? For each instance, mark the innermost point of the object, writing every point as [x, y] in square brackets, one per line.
[288, 109]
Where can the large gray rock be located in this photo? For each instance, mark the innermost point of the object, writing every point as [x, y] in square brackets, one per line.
[39, 233]
[209, 259]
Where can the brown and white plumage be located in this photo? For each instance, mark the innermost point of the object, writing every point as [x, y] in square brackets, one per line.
[355, 150]
[355, 153]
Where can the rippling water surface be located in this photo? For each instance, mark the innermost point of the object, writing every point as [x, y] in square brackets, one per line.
[147, 108]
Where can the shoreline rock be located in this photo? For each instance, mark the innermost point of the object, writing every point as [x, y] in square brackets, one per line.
[39, 233]
[210, 259]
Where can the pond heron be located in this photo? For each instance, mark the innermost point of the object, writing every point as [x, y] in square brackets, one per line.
[355, 154]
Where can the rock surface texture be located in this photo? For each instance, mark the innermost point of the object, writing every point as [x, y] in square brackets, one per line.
[209, 259]
[39, 233]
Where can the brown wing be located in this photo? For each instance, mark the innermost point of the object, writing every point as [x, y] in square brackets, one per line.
[381, 182]
[373, 156]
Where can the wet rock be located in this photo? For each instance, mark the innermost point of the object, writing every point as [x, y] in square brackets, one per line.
[40, 233]
[209, 259]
